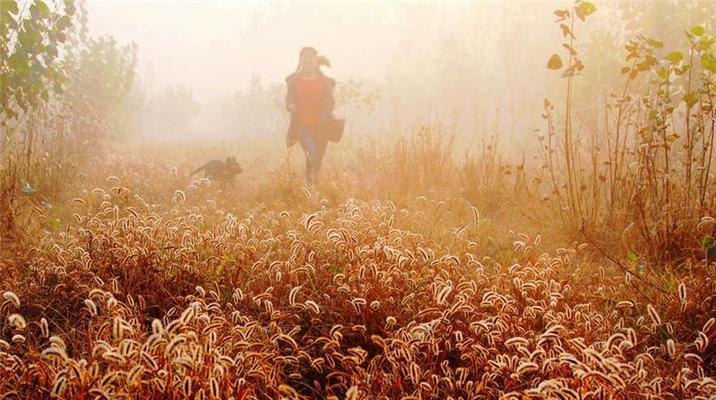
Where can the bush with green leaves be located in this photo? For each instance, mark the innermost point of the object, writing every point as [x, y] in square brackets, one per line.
[60, 87]
[97, 98]
[34, 41]
[63, 95]
[649, 167]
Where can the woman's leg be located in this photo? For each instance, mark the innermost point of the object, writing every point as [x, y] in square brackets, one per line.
[312, 150]
[320, 152]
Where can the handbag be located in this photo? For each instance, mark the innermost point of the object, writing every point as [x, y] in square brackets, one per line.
[332, 129]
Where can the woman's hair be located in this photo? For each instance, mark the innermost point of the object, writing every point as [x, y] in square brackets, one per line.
[321, 59]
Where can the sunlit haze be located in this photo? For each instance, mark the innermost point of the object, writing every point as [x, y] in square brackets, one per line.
[358, 200]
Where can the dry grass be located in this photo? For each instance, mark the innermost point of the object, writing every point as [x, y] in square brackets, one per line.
[149, 285]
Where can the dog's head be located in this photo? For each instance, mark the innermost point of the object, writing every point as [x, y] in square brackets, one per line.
[232, 167]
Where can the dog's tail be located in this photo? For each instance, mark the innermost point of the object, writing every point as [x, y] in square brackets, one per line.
[203, 167]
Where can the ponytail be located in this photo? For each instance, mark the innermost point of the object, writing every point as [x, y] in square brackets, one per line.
[323, 60]
[320, 59]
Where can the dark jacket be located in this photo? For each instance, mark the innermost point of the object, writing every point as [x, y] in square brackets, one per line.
[327, 103]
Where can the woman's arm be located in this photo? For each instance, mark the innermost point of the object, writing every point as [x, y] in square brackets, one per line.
[330, 100]
[290, 94]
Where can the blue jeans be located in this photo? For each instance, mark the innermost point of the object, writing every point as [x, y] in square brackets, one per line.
[315, 149]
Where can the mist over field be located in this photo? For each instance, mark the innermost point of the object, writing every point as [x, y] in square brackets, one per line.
[461, 62]
[358, 200]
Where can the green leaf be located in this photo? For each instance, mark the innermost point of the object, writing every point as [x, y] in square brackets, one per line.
[29, 37]
[566, 31]
[64, 22]
[632, 256]
[570, 49]
[584, 9]
[555, 62]
[684, 69]
[663, 73]
[562, 14]
[706, 43]
[711, 254]
[698, 30]
[70, 8]
[657, 44]
[674, 57]
[707, 241]
[709, 62]
[691, 99]
[671, 138]
[55, 222]
[18, 63]
[39, 9]
[51, 51]
[643, 66]
[578, 66]
[10, 7]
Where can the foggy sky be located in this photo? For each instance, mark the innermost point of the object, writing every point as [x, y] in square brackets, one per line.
[215, 46]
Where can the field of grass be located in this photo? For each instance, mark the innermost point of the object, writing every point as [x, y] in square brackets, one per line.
[432, 262]
[435, 279]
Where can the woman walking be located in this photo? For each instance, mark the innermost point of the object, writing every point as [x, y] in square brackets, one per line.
[309, 99]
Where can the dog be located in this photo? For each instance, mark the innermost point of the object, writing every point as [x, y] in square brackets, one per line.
[221, 171]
